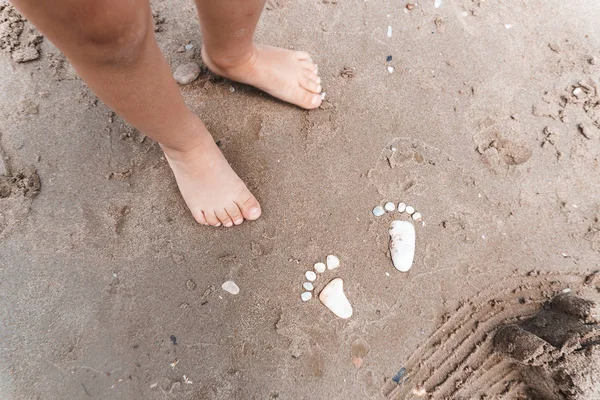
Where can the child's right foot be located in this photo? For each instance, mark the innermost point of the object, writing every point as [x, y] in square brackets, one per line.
[211, 189]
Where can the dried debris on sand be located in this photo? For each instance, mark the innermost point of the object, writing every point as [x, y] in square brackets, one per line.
[557, 351]
[17, 37]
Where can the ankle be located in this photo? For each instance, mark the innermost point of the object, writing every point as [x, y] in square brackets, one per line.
[191, 137]
[227, 61]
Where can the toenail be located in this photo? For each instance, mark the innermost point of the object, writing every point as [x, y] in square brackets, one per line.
[238, 221]
[319, 88]
[318, 80]
[315, 100]
[228, 225]
[254, 212]
[217, 224]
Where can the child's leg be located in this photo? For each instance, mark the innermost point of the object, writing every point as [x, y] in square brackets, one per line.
[228, 50]
[111, 44]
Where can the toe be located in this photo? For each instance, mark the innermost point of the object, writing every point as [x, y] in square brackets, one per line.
[309, 66]
[312, 76]
[310, 85]
[235, 214]
[250, 207]
[224, 218]
[212, 219]
[302, 55]
[199, 217]
[306, 99]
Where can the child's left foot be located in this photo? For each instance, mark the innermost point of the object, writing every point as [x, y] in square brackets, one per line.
[288, 75]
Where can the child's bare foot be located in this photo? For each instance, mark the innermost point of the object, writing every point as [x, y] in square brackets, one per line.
[288, 75]
[212, 190]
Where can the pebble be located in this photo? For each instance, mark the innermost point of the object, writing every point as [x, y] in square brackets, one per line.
[401, 207]
[323, 95]
[308, 286]
[410, 210]
[389, 206]
[310, 275]
[578, 92]
[188, 47]
[306, 296]
[231, 287]
[378, 211]
[389, 58]
[390, 69]
[332, 262]
[187, 73]
[334, 298]
[417, 216]
[320, 267]
[402, 244]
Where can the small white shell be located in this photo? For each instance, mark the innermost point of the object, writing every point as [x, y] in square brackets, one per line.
[332, 262]
[389, 206]
[378, 211]
[417, 216]
[306, 296]
[231, 287]
[401, 207]
[320, 267]
[310, 275]
[390, 69]
[323, 94]
[410, 210]
[308, 286]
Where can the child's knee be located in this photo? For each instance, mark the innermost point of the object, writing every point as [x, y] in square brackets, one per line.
[116, 36]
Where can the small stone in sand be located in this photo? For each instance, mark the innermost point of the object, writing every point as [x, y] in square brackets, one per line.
[390, 69]
[306, 296]
[389, 58]
[310, 275]
[320, 267]
[333, 297]
[332, 262]
[308, 286]
[389, 206]
[187, 73]
[378, 211]
[231, 287]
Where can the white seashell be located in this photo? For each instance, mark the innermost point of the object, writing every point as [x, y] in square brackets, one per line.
[410, 210]
[417, 216]
[378, 211]
[389, 31]
[390, 69]
[402, 244]
[310, 275]
[306, 296]
[308, 286]
[332, 262]
[320, 267]
[323, 94]
[437, 3]
[389, 206]
[401, 207]
[333, 297]
[231, 287]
